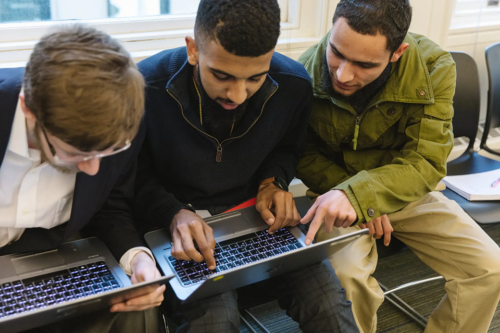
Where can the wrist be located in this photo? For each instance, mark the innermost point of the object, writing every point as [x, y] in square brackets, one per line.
[139, 257]
[276, 181]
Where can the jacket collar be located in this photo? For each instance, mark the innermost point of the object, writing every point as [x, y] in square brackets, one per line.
[409, 81]
[9, 95]
[178, 87]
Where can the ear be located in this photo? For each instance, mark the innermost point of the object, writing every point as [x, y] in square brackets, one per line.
[399, 52]
[27, 112]
[192, 51]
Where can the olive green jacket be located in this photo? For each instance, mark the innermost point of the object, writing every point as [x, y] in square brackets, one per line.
[397, 153]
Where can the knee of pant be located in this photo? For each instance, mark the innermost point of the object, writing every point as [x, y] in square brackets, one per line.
[489, 268]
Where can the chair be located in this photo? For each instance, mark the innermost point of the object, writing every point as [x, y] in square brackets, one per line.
[493, 108]
[465, 124]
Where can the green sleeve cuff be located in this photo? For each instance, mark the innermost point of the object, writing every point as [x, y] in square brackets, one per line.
[354, 202]
[362, 196]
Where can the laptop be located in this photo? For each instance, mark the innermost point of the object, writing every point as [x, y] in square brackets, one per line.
[245, 254]
[82, 276]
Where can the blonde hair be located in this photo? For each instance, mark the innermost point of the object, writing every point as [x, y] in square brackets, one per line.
[83, 87]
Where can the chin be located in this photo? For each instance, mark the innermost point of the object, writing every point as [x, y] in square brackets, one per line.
[345, 93]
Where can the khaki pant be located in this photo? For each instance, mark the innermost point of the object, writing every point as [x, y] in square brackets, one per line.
[443, 236]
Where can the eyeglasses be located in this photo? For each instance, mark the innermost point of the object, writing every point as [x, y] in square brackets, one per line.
[72, 160]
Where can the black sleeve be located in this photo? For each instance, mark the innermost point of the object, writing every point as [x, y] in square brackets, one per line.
[113, 223]
[153, 204]
[283, 160]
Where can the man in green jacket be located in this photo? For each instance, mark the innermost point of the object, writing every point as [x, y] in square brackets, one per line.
[380, 134]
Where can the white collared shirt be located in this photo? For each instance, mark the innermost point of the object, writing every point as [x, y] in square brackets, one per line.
[34, 194]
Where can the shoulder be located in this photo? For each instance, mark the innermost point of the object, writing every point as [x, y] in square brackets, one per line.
[434, 57]
[283, 67]
[11, 76]
[162, 66]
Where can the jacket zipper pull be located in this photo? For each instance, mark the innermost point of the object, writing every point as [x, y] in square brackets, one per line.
[218, 158]
[356, 133]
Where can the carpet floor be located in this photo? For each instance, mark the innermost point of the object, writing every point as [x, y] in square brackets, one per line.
[391, 271]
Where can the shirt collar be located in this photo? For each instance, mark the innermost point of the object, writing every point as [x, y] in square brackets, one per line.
[18, 141]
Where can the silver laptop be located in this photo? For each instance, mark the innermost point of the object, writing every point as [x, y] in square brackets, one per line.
[245, 253]
[79, 277]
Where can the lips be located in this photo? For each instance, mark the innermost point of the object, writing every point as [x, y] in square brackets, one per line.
[229, 106]
[343, 86]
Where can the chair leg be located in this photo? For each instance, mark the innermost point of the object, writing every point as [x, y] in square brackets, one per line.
[247, 324]
[402, 305]
[256, 321]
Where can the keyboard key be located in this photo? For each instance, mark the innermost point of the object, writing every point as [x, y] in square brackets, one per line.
[196, 275]
[238, 262]
[230, 265]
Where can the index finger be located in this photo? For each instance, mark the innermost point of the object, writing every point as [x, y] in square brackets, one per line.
[205, 248]
[314, 227]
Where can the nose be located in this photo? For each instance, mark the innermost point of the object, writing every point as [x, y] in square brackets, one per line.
[90, 167]
[344, 72]
[238, 92]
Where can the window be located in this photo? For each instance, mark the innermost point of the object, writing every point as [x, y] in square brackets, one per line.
[47, 10]
[144, 27]
[475, 14]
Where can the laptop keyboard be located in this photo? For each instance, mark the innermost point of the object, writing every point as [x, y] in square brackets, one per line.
[57, 287]
[236, 252]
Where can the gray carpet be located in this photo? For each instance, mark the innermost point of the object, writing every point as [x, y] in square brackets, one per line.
[391, 271]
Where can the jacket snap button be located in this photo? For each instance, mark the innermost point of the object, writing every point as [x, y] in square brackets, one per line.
[391, 111]
[371, 212]
[422, 93]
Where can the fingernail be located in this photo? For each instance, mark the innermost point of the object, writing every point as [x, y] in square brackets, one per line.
[308, 241]
[212, 251]
[211, 268]
[270, 221]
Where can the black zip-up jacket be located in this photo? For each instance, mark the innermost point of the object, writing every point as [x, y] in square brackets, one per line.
[180, 164]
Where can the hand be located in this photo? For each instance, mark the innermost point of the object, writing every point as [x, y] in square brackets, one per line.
[381, 226]
[334, 208]
[187, 226]
[143, 269]
[281, 202]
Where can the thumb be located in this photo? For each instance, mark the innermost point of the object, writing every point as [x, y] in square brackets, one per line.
[267, 216]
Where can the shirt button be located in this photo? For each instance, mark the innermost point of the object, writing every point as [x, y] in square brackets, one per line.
[371, 212]
[422, 93]
[391, 111]
[26, 212]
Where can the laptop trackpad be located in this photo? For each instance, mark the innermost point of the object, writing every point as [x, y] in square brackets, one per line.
[37, 262]
[231, 225]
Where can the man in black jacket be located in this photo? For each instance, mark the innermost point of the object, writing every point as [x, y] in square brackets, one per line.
[226, 121]
[68, 147]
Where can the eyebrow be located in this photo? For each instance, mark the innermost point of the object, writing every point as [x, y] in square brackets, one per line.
[230, 75]
[366, 63]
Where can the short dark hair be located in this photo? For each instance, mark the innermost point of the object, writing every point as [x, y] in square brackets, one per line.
[390, 18]
[247, 28]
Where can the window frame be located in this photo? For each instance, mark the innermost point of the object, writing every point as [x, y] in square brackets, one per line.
[307, 21]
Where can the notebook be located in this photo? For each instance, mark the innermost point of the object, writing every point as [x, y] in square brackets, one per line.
[484, 186]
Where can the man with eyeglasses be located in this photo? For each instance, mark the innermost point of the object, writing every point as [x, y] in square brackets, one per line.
[70, 130]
